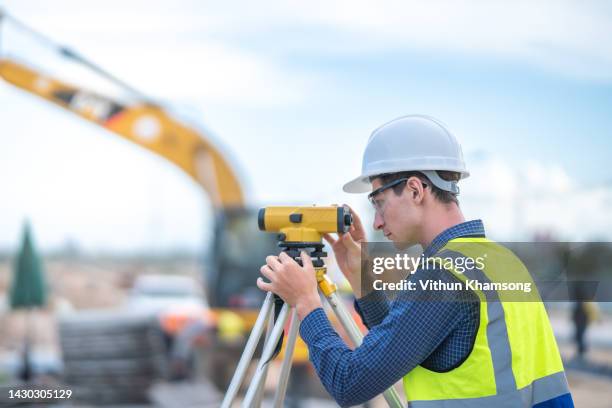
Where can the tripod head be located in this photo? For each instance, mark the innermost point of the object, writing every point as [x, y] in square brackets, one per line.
[303, 227]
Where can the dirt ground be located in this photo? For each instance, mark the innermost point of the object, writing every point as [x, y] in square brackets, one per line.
[77, 284]
[590, 391]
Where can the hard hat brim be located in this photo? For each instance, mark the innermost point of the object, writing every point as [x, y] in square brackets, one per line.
[358, 185]
[362, 183]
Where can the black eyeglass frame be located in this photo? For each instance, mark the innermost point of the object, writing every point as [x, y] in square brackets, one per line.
[390, 185]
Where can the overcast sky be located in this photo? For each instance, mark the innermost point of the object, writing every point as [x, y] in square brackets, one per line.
[293, 89]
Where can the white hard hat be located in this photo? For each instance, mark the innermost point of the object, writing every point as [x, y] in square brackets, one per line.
[410, 143]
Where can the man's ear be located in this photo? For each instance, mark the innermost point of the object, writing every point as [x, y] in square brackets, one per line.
[414, 187]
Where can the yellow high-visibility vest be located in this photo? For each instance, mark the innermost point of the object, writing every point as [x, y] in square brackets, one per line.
[515, 361]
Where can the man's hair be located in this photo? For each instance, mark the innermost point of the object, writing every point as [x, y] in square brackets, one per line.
[443, 196]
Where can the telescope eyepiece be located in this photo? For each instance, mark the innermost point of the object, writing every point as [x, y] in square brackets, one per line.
[348, 219]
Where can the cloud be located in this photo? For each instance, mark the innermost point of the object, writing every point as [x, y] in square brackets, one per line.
[568, 37]
[208, 51]
[166, 52]
[519, 200]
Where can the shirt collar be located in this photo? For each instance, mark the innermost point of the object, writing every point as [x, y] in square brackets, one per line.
[473, 228]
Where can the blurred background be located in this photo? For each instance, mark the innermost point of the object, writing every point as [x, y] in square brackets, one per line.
[132, 164]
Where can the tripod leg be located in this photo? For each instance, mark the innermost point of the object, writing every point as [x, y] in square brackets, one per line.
[268, 351]
[249, 349]
[260, 390]
[345, 318]
[279, 396]
[356, 336]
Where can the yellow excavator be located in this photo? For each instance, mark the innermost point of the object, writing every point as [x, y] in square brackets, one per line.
[237, 249]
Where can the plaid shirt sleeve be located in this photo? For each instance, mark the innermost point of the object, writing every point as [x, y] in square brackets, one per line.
[412, 329]
[372, 308]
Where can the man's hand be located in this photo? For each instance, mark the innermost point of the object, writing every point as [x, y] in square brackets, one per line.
[347, 250]
[297, 285]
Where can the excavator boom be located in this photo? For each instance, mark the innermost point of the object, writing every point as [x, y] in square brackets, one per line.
[143, 123]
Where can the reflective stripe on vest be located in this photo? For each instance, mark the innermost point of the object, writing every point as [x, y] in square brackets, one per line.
[515, 361]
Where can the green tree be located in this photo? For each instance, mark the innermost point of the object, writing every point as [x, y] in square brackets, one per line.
[28, 291]
[28, 288]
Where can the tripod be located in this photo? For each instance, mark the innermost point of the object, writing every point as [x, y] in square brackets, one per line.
[254, 394]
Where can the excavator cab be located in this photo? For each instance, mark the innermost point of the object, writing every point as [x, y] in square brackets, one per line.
[237, 252]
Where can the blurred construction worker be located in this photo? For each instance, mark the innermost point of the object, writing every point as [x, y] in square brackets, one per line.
[583, 314]
[453, 353]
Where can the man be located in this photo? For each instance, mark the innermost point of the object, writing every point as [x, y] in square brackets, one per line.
[482, 351]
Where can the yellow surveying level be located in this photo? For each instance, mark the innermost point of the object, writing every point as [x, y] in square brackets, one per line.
[304, 224]
[300, 227]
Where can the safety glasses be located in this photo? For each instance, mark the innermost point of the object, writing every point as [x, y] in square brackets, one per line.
[380, 204]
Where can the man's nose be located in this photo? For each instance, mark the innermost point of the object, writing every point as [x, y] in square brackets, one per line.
[379, 223]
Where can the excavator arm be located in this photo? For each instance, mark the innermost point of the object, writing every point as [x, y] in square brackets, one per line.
[143, 123]
[229, 278]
